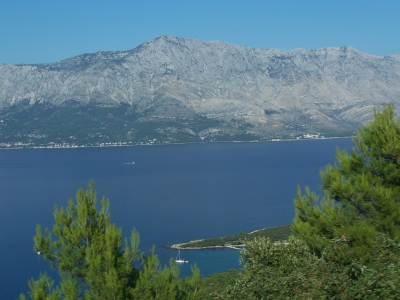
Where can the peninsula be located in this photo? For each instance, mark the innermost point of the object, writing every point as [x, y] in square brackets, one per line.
[238, 241]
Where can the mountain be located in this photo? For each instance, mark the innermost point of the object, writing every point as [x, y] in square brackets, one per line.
[173, 89]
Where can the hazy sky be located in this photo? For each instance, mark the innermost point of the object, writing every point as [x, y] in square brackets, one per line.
[39, 31]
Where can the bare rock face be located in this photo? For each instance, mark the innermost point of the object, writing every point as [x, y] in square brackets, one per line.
[324, 89]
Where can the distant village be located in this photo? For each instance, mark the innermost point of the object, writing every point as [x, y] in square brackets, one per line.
[115, 144]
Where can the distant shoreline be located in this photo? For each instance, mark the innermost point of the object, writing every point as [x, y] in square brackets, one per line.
[164, 144]
[177, 247]
[237, 242]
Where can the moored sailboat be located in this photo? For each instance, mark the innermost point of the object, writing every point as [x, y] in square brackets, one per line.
[178, 259]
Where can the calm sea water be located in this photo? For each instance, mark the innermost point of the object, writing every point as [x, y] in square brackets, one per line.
[172, 193]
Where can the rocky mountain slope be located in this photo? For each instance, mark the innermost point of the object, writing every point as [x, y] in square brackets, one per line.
[234, 90]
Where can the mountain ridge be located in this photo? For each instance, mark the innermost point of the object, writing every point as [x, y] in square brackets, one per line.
[269, 92]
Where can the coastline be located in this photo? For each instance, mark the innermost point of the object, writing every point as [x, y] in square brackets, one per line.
[163, 144]
[178, 247]
[237, 242]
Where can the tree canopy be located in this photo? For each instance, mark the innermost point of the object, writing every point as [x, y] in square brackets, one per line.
[292, 271]
[362, 193]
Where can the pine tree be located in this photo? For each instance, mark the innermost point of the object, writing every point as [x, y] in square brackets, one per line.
[86, 248]
[362, 194]
[87, 252]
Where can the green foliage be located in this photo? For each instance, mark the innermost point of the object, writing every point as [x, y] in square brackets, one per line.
[291, 271]
[157, 282]
[43, 289]
[87, 250]
[361, 194]
[276, 271]
[218, 282]
[380, 279]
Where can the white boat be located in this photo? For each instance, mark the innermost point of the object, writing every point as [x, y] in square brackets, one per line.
[178, 259]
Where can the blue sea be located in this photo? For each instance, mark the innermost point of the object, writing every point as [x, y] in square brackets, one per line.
[170, 194]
